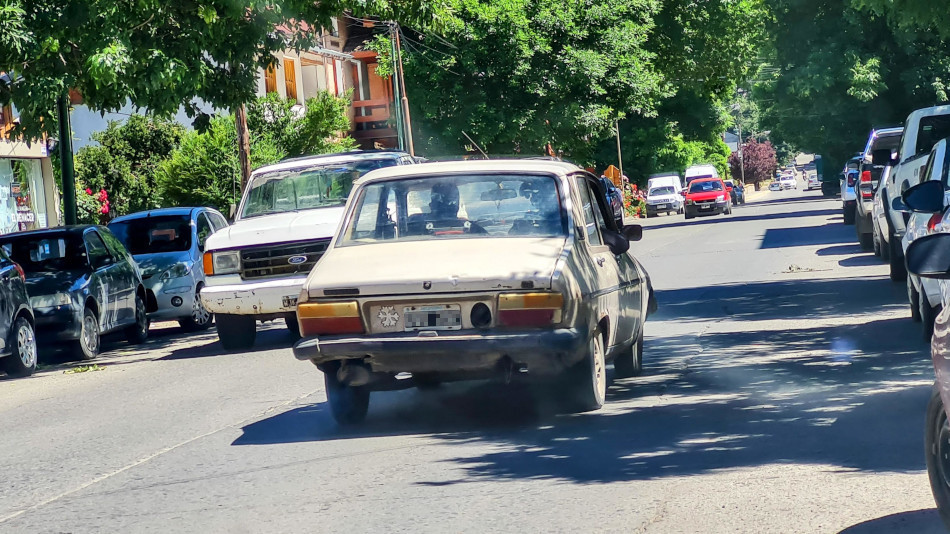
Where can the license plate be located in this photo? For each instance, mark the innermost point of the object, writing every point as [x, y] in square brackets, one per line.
[289, 302]
[661, 206]
[440, 317]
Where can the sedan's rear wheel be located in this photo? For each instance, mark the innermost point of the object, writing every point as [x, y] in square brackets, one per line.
[928, 316]
[630, 363]
[937, 452]
[898, 270]
[913, 297]
[587, 380]
[348, 404]
[236, 332]
[23, 360]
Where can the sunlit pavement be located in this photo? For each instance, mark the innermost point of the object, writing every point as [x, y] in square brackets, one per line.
[784, 391]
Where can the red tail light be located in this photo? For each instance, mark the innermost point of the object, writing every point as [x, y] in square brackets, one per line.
[316, 318]
[866, 177]
[530, 309]
[934, 221]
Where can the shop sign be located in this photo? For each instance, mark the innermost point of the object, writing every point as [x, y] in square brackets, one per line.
[25, 217]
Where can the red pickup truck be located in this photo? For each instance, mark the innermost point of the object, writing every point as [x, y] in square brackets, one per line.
[707, 196]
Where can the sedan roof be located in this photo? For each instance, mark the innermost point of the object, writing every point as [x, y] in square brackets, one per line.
[161, 212]
[479, 166]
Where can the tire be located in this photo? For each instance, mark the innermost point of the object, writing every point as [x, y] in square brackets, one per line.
[913, 297]
[348, 404]
[848, 214]
[293, 326]
[23, 341]
[630, 363]
[898, 271]
[138, 332]
[866, 241]
[587, 379]
[937, 453]
[88, 342]
[885, 246]
[236, 332]
[688, 216]
[200, 319]
[876, 240]
[928, 316]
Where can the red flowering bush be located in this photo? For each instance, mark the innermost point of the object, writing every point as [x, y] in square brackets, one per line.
[92, 207]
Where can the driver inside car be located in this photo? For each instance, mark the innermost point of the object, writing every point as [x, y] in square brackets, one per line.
[545, 216]
[442, 218]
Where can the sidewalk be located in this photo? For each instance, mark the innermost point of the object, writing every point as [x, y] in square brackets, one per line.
[751, 194]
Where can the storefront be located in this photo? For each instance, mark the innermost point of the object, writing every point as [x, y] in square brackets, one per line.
[29, 199]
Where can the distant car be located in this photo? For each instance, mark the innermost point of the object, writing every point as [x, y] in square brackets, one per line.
[82, 283]
[775, 185]
[17, 338]
[614, 199]
[167, 245]
[814, 182]
[736, 193]
[706, 196]
[869, 178]
[664, 198]
[929, 257]
[499, 268]
[788, 181]
[849, 184]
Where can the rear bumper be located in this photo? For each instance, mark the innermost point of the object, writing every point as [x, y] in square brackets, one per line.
[542, 352]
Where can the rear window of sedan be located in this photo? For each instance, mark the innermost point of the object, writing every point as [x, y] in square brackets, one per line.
[705, 187]
[453, 207]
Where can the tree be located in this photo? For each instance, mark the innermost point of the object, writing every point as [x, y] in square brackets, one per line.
[758, 162]
[160, 55]
[125, 159]
[317, 131]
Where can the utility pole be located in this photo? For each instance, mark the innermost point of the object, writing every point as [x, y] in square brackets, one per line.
[741, 161]
[397, 95]
[402, 89]
[619, 157]
[66, 160]
[244, 144]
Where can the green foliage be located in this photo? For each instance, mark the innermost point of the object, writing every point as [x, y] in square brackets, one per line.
[162, 55]
[383, 46]
[204, 171]
[125, 159]
[317, 131]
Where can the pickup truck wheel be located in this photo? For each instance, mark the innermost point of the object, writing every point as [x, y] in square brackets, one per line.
[928, 315]
[630, 363]
[913, 297]
[138, 332]
[293, 326]
[866, 241]
[937, 453]
[587, 380]
[88, 343]
[898, 270]
[348, 404]
[236, 332]
[23, 342]
[848, 214]
[876, 239]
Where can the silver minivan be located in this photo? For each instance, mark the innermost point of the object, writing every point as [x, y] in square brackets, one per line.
[167, 244]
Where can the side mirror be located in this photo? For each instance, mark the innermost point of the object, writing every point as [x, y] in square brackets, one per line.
[929, 256]
[633, 232]
[617, 243]
[729, 188]
[882, 156]
[925, 197]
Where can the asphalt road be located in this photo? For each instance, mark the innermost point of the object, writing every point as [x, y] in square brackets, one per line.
[784, 391]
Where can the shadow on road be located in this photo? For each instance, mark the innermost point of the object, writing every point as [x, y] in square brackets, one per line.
[736, 217]
[805, 236]
[915, 522]
[846, 395]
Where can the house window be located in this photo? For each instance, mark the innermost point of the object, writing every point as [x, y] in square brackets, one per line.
[270, 80]
[334, 27]
[290, 79]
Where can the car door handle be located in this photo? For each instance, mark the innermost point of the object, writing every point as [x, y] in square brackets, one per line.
[600, 261]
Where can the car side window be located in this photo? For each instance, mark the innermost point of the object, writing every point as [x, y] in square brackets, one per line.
[96, 250]
[589, 208]
[204, 230]
[115, 246]
[217, 220]
[928, 168]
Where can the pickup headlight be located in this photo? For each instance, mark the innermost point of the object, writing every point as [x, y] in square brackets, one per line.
[176, 271]
[721, 198]
[50, 301]
[226, 262]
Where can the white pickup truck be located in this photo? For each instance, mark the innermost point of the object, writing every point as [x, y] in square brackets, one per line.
[255, 268]
[922, 130]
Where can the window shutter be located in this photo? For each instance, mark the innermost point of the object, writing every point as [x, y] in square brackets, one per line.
[290, 79]
[270, 80]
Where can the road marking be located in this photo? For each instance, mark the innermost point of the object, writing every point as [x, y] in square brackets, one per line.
[152, 457]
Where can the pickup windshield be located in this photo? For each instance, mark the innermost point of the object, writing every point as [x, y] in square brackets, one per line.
[455, 207]
[661, 191]
[319, 186]
[705, 187]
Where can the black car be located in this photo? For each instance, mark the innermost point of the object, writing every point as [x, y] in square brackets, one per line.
[737, 194]
[614, 199]
[82, 283]
[17, 339]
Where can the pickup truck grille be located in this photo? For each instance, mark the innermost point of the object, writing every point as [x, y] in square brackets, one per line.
[275, 260]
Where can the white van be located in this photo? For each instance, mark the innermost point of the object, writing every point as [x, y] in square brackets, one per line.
[701, 171]
[665, 179]
[663, 194]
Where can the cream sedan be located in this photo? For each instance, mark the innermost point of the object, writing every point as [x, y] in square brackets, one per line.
[469, 270]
